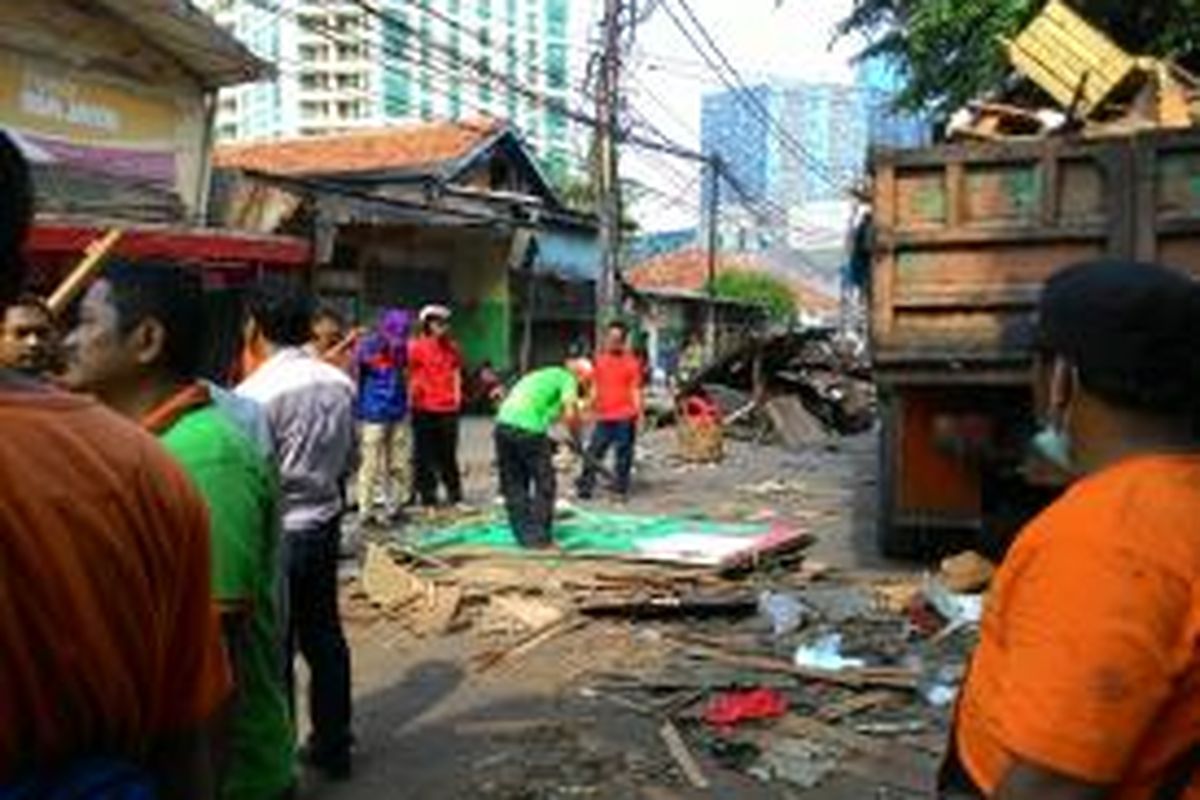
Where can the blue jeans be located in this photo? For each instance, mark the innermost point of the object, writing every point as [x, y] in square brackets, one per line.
[621, 434]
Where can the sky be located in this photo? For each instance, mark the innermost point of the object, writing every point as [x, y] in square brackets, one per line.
[665, 80]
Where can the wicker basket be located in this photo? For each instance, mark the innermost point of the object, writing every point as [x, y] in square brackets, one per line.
[700, 441]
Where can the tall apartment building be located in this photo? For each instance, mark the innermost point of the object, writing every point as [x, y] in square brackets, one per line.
[797, 182]
[880, 80]
[347, 64]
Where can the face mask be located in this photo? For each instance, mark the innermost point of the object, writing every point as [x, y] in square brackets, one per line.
[1053, 444]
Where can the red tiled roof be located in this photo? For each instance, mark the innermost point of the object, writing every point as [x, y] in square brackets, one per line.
[393, 148]
[687, 270]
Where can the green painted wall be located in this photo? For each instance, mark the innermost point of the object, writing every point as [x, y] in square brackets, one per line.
[483, 314]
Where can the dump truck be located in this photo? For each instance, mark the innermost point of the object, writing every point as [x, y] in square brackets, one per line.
[964, 237]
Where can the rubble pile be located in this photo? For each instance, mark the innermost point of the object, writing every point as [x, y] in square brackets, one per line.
[1073, 79]
[774, 668]
[796, 389]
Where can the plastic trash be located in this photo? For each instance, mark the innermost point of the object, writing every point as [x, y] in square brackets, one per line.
[784, 611]
[825, 653]
[729, 708]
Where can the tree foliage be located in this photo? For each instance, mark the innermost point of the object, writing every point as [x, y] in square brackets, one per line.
[760, 288]
[949, 50]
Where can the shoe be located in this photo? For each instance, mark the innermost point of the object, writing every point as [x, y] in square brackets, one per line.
[333, 767]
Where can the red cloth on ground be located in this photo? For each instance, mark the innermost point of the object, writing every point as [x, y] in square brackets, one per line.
[729, 708]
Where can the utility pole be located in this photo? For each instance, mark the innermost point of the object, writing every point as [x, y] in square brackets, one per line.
[713, 212]
[608, 288]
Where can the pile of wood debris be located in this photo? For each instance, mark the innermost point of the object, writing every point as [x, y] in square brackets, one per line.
[782, 671]
[796, 389]
[1096, 87]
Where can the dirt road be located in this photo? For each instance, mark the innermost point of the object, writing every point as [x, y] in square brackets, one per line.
[430, 728]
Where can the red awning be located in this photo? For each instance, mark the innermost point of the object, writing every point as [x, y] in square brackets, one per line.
[215, 247]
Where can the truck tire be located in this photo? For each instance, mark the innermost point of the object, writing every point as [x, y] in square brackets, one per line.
[895, 541]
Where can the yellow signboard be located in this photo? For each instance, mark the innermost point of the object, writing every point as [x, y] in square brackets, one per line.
[44, 98]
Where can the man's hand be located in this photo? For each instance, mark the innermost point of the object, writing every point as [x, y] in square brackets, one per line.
[1026, 781]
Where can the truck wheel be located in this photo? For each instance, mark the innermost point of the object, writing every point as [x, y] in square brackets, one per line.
[895, 541]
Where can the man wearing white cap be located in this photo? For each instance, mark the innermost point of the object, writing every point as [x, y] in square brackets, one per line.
[523, 448]
[435, 394]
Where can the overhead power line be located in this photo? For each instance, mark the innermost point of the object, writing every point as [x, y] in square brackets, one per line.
[742, 92]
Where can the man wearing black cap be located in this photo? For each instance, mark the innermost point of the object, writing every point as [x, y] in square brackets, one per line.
[1086, 681]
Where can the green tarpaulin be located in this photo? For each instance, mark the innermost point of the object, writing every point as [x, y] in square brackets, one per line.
[593, 531]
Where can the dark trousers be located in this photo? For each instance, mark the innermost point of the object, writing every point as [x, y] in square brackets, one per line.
[315, 629]
[435, 456]
[621, 434]
[527, 483]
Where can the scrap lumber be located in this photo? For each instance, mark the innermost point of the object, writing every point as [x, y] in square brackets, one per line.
[859, 678]
[683, 756]
[672, 606]
[389, 585]
[532, 614]
[532, 641]
[781, 541]
[855, 704]
[93, 259]
[436, 617]
[1068, 57]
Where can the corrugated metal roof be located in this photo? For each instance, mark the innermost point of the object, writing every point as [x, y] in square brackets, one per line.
[202, 47]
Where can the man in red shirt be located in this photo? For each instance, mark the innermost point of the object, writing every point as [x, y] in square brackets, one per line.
[435, 396]
[617, 408]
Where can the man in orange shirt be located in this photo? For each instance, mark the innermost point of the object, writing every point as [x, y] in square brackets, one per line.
[1086, 681]
[617, 409]
[111, 663]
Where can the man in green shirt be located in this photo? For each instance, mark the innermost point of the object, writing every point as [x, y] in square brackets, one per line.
[523, 448]
[137, 347]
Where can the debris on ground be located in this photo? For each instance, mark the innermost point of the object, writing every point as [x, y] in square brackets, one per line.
[1099, 89]
[797, 389]
[748, 661]
[966, 572]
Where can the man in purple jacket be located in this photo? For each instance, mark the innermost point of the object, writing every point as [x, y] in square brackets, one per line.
[382, 412]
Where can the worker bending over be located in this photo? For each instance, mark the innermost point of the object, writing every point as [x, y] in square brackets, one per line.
[1086, 681]
[524, 449]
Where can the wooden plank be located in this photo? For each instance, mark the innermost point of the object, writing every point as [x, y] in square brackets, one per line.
[854, 705]
[1050, 189]
[955, 187]
[1022, 234]
[84, 271]
[1145, 200]
[884, 263]
[887, 677]
[683, 756]
[530, 642]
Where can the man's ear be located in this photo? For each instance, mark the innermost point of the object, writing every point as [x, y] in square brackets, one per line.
[150, 341]
[1064, 383]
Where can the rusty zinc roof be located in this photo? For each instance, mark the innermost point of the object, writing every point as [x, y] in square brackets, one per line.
[399, 148]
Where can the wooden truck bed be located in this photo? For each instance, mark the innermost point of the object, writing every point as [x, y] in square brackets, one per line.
[966, 235]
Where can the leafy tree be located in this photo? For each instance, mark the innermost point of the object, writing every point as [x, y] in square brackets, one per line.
[950, 52]
[757, 287]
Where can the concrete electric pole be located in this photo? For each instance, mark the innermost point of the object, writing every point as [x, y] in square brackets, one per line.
[712, 213]
[608, 288]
